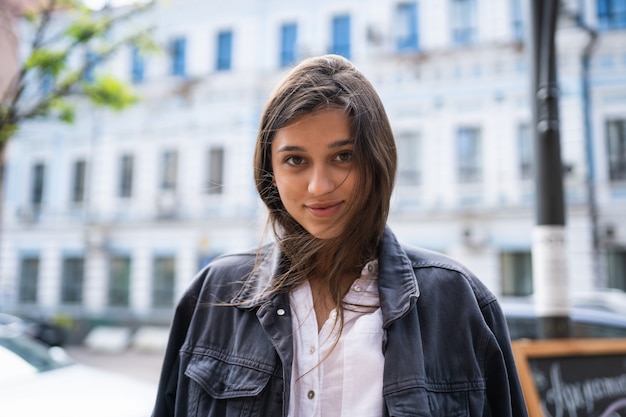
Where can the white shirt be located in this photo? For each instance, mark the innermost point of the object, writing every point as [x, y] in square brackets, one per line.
[346, 378]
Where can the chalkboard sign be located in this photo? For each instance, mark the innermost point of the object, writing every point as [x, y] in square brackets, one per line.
[573, 377]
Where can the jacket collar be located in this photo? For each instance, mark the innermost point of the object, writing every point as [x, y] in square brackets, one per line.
[397, 285]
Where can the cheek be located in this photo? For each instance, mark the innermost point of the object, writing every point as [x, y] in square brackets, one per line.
[287, 188]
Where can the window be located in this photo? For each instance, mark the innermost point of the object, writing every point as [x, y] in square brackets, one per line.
[29, 278]
[341, 36]
[616, 268]
[516, 273]
[163, 284]
[288, 38]
[611, 14]
[224, 50]
[616, 149]
[78, 181]
[38, 183]
[46, 82]
[518, 23]
[91, 59]
[215, 171]
[468, 148]
[178, 55]
[119, 281]
[72, 280]
[407, 37]
[464, 21]
[169, 170]
[525, 150]
[126, 176]
[409, 159]
[137, 65]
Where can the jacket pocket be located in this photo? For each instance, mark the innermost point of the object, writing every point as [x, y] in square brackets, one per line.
[226, 387]
[429, 401]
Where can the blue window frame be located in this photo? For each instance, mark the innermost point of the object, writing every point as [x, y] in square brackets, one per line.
[469, 160]
[137, 65]
[224, 50]
[72, 279]
[616, 149]
[29, 278]
[611, 14]
[464, 21]
[517, 20]
[119, 280]
[288, 39]
[38, 184]
[178, 55]
[46, 82]
[341, 36]
[91, 59]
[407, 38]
[164, 276]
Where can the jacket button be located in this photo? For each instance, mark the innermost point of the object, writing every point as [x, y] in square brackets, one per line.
[281, 311]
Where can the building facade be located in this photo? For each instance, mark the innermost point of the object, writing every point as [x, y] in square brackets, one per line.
[110, 218]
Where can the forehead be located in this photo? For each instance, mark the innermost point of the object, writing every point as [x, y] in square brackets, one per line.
[328, 124]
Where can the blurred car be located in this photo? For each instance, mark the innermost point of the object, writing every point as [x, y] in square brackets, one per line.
[39, 380]
[609, 299]
[40, 329]
[585, 322]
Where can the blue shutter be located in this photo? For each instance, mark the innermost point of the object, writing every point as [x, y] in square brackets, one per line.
[137, 65]
[224, 50]
[518, 23]
[90, 62]
[341, 36]
[288, 38]
[408, 35]
[178, 56]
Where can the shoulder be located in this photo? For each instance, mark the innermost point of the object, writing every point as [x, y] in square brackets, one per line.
[223, 276]
[440, 272]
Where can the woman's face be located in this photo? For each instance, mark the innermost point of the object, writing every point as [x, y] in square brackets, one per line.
[312, 162]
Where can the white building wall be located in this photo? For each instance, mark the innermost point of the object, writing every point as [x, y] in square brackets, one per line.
[445, 87]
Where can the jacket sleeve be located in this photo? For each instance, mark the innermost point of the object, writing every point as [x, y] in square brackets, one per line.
[166, 392]
[504, 391]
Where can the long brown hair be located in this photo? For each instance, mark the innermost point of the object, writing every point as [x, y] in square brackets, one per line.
[319, 83]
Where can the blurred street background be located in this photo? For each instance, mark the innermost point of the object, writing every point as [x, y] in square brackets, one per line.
[143, 365]
[127, 135]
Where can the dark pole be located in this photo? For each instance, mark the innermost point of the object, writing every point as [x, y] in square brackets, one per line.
[550, 278]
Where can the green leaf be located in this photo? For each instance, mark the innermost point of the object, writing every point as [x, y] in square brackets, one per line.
[64, 111]
[6, 132]
[49, 61]
[85, 28]
[110, 92]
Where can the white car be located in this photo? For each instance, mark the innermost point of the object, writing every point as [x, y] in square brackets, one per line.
[38, 380]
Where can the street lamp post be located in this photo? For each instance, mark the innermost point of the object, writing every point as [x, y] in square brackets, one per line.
[550, 278]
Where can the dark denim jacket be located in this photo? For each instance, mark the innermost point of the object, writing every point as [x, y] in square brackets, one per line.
[446, 344]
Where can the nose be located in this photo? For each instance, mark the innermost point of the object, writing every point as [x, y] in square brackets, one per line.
[321, 181]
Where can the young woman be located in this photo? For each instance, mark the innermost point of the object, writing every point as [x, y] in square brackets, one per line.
[335, 317]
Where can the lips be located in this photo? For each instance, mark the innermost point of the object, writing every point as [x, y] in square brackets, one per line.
[324, 209]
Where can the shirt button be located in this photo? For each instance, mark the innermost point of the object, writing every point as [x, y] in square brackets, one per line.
[281, 311]
[312, 350]
[310, 395]
[370, 268]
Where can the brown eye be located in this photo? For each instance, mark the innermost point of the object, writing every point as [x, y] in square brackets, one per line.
[294, 160]
[344, 156]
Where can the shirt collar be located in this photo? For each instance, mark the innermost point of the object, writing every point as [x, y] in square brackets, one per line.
[397, 285]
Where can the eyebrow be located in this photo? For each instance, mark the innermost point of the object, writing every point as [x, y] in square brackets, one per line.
[337, 144]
